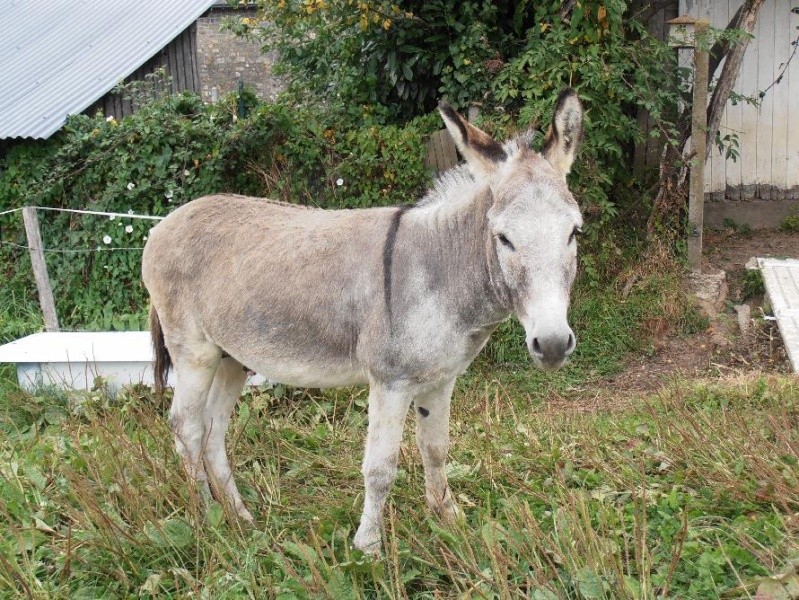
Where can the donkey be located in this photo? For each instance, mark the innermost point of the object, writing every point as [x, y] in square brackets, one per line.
[402, 298]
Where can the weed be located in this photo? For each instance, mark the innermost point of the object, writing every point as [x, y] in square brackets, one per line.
[752, 285]
[743, 229]
[790, 223]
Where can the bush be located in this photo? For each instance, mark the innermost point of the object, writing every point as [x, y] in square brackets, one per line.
[169, 152]
[616, 68]
[385, 61]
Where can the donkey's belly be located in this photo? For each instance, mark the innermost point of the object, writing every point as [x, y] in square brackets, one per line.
[319, 373]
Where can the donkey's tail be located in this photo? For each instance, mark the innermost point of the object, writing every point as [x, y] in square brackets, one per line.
[162, 359]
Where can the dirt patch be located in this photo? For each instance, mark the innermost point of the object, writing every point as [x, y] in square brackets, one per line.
[721, 350]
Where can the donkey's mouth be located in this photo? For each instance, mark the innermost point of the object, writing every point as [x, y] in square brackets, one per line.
[548, 365]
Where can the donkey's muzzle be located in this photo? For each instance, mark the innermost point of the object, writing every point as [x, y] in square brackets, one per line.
[551, 351]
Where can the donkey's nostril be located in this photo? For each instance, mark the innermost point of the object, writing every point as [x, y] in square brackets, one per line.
[570, 344]
[537, 348]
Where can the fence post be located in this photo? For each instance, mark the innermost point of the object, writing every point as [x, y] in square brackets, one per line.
[696, 191]
[40, 268]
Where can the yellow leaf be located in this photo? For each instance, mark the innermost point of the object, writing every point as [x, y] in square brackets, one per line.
[602, 17]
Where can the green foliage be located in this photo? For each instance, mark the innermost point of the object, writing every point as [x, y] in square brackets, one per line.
[752, 285]
[396, 57]
[388, 60]
[790, 223]
[743, 229]
[728, 145]
[616, 68]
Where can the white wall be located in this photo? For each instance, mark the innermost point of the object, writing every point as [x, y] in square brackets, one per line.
[768, 165]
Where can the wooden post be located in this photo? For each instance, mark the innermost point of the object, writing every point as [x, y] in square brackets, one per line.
[40, 268]
[696, 192]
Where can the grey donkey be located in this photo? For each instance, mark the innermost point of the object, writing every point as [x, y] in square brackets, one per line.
[401, 298]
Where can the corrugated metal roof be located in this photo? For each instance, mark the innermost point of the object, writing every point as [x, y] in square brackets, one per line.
[57, 58]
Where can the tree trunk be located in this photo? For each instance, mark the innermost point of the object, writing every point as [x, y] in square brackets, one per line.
[730, 71]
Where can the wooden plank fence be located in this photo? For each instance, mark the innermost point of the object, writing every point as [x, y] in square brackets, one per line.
[441, 152]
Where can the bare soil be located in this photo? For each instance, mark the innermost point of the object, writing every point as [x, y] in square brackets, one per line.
[722, 350]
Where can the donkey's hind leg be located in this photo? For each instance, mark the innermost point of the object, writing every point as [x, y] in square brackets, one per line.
[195, 366]
[225, 390]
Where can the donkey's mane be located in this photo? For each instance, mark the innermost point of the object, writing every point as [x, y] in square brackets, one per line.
[457, 183]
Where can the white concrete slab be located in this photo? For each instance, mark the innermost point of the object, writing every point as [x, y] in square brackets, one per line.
[73, 360]
[108, 346]
[781, 277]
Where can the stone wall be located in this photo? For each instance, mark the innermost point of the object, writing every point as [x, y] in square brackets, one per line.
[224, 59]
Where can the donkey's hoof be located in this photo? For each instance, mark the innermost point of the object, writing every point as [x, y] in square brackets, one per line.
[447, 510]
[368, 541]
[245, 515]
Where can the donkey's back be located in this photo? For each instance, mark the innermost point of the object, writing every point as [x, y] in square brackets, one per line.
[284, 289]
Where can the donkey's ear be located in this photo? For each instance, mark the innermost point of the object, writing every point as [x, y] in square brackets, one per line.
[483, 154]
[563, 137]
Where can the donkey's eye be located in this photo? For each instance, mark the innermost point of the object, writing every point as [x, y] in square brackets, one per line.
[575, 232]
[505, 241]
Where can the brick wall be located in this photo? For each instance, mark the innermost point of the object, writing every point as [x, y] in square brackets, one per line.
[224, 59]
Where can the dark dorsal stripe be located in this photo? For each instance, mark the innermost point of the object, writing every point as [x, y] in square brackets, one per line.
[388, 255]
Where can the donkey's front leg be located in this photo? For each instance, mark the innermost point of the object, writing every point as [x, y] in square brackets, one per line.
[432, 437]
[388, 408]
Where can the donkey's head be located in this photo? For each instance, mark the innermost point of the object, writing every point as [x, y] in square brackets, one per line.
[533, 223]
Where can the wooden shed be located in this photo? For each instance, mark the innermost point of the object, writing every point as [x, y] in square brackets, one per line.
[63, 58]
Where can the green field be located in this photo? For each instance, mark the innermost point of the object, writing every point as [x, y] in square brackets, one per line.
[690, 493]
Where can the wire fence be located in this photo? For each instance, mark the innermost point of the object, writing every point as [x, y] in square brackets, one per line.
[87, 250]
[104, 300]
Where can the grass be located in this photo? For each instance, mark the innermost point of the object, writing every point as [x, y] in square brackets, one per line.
[688, 494]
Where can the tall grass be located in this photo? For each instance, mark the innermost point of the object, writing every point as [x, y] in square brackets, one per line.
[687, 494]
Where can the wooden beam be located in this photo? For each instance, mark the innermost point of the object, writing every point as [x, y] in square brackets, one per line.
[36, 250]
[696, 191]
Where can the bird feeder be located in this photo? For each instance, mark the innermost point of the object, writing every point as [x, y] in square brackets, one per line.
[682, 32]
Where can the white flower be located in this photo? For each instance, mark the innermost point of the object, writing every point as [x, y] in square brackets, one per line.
[110, 119]
[339, 181]
[112, 217]
[131, 185]
[144, 238]
[186, 171]
[129, 229]
[130, 211]
[168, 195]
[106, 239]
